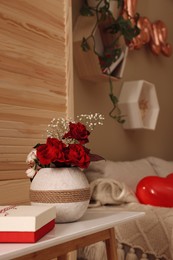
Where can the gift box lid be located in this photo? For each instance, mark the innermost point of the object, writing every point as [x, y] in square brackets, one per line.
[25, 217]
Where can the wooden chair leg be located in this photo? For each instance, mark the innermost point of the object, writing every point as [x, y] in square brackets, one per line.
[111, 246]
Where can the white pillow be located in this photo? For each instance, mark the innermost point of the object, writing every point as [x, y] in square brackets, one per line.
[162, 167]
[129, 172]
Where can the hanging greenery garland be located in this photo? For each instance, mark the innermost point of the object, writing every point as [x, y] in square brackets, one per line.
[116, 27]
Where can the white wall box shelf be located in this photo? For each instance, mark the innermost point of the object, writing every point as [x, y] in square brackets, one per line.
[138, 102]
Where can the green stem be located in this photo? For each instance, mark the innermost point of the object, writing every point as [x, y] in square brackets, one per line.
[115, 112]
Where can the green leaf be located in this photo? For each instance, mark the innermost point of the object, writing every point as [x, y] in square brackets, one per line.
[105, 8]
[95, 157]
[109, 56]
[120, 3]
[127, 29]
[84, 44]
[37, 145]
[86, 10]
[120, 119]
[113, 98]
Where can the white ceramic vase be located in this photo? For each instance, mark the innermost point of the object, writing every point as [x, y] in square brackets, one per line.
[66, 188]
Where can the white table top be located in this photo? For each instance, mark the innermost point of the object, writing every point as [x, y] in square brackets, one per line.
[90, 223]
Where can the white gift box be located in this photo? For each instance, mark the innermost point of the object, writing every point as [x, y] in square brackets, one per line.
[25, 223]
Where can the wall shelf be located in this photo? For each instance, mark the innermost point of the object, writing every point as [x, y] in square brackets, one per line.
[87, 63]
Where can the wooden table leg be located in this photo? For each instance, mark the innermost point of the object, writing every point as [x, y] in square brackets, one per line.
[111, 246]
[70, 256]
[66, 248]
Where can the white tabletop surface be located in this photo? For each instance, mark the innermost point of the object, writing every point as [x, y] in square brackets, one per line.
[91, 222]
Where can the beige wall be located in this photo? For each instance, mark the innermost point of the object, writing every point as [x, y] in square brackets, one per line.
[111, 140]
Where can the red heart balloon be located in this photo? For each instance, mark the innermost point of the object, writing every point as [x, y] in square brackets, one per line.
[170, 175]
[156, 191]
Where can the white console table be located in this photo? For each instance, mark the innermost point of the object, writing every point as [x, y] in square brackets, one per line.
[91, 228]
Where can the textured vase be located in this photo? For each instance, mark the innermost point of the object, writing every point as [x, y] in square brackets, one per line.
[66, 188]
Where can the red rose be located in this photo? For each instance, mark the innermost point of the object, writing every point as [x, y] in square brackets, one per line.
[78, 156]
[42, 154]
[51, 151]
[79, 132]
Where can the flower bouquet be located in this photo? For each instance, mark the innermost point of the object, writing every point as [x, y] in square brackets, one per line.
[65, 145]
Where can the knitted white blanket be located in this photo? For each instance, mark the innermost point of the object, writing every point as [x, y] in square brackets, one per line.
[153, 233]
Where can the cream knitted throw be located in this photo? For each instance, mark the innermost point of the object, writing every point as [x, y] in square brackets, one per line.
[109, 191]
[153, 233]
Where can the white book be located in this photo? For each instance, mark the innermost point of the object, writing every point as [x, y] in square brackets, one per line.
[112, 67]
[120, 71]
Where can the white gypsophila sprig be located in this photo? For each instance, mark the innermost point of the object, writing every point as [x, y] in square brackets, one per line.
[58, 127]
[91, 120]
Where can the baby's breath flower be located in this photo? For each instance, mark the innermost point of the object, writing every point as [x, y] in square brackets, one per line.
[91, 120]
[58, 127]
